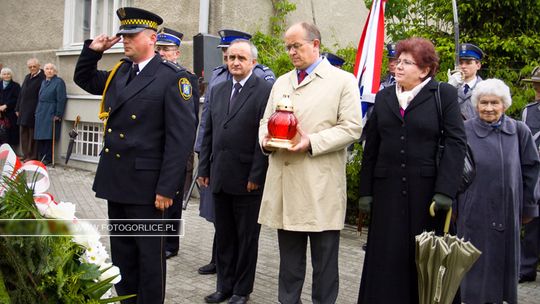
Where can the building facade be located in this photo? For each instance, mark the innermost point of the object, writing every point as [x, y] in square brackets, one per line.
[54, 31]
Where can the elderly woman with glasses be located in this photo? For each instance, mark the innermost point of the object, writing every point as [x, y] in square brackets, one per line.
[501, 197]
[400, 178]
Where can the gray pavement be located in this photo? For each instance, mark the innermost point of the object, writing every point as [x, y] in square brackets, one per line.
[185, 285]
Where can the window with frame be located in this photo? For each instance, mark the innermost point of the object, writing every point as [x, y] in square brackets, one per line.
[89, 142]
[85, 19]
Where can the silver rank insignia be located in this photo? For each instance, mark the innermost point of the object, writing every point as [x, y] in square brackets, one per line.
[185, 88]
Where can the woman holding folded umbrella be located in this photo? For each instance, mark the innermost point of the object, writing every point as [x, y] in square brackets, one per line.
[399, 177]
[500, 198]
[50, 109]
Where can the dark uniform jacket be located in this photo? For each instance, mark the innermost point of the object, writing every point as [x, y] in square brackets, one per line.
[150, 130]
[28, 99]
[9, 96]
[230, 153]
[400, 172]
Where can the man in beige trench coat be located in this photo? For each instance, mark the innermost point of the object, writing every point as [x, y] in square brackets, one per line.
[305, 190]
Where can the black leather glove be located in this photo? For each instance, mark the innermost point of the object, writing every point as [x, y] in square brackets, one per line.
[442, 202]
[364, 203]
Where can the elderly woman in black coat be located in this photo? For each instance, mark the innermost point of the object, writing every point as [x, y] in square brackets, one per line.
[400, 178]
[501, 196]
[9, 92]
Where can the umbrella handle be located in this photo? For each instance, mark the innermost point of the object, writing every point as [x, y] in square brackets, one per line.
[448, 217]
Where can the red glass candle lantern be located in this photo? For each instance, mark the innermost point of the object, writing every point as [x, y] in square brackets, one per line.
[282, 125]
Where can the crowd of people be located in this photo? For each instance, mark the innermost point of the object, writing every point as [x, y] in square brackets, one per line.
[150, 105]
[31, 113]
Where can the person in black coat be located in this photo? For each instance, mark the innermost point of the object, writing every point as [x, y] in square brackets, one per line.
[26, 108]
[399, 177]
[9, 92]
[234, 167]
[150, 130]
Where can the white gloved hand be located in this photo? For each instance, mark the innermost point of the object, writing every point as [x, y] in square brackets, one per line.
[454, 78]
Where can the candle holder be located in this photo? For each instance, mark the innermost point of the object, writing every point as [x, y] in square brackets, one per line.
[282, 125]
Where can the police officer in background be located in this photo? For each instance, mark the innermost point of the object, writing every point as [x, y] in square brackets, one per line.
[221, 74]
[334, 59]
[168, 47]
[389, 79]
[466, 78]
[147, 105]
[530, 243]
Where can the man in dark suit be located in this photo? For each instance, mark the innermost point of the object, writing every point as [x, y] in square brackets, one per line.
[233, 165]
[147, 107]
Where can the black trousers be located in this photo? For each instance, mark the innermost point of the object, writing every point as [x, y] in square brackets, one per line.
[292, 265]
[530, 249]
[44, 150]
[237, 241]
[141, 259]
[174, 212]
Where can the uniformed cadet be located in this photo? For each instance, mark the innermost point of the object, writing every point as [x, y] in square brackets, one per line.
[168, 47]
[220, 74]
[466, 78]
[147, 108]
[530, 243]
[389, 78]
[334, 59]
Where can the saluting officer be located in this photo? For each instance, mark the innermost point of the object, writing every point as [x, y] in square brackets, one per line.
[168, 47]
[219, 75]
[334, 59]
[530, 243]
[466, 78]
[147, 107]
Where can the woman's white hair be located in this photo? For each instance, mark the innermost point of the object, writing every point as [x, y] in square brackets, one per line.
[492, 86]
[7, 70]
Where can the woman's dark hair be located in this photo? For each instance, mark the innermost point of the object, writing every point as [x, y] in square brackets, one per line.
[422, 51]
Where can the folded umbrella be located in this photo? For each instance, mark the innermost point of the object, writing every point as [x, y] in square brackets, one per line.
[441, 263]
[72, 135]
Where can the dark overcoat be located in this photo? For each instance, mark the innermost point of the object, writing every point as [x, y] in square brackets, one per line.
[150, 130]
[489, 213]
[230, 152]
[52, 102]
[399, 171]
[9, 96]
[28, 99]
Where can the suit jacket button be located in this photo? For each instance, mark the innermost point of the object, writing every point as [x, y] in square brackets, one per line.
[110, 130]
[133, 116]
[117, 155]
[106, 150]
[122, 135]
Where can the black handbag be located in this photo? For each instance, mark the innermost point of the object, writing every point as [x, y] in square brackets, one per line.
[469, 166]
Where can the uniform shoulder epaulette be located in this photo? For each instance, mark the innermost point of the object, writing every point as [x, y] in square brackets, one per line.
[262, 67]
[174, 66]
[220, 67]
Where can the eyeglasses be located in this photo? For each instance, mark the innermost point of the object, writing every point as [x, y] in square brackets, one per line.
[405, 62]
[165, 49]
[295, 46]
[33, 66]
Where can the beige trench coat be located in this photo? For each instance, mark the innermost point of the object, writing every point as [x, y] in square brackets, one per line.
[303, 191]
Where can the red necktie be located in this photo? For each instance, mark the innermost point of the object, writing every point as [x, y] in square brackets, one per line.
[301, 76]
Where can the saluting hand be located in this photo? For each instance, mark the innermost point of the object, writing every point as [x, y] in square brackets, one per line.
[163, 202]
[103, 42]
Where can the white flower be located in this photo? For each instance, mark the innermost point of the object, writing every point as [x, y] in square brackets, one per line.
[95, 254]
[63, 211]
[110, 272]
[84, 233]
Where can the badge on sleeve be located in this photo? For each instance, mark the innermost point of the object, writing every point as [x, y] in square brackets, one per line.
[185, 88]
